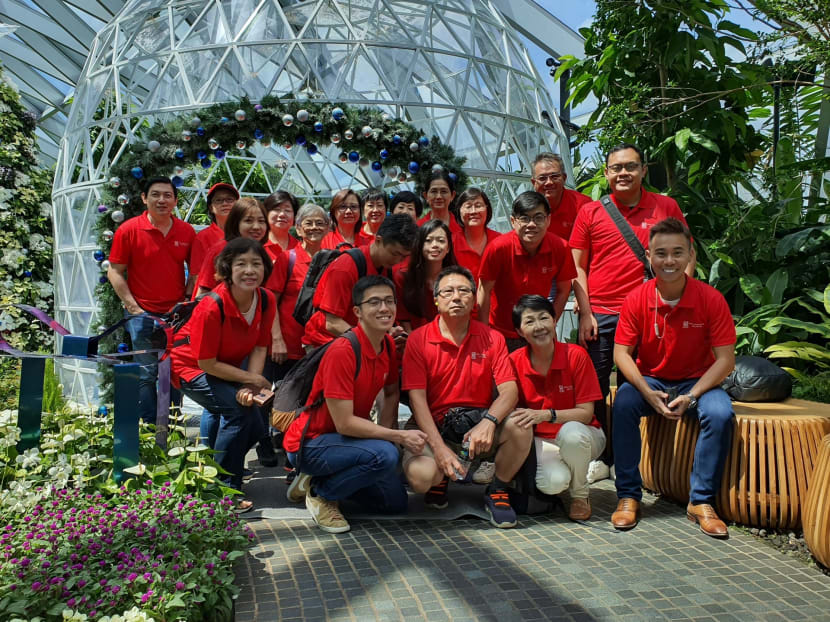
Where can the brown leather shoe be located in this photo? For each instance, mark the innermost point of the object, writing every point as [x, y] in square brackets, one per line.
[627, 514]
[705, 515]
[580, 509]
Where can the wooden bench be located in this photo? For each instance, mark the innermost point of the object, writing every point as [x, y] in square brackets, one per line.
[816, 517]
[768, 469]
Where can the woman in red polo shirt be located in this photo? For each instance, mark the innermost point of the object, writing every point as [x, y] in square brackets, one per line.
[474, 212]
[557, 390]
[280, 208]
[375, 206]
[414, 281]
[345, 213]
[220, 336]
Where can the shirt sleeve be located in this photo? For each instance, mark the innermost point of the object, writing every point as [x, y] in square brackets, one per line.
[337, 368]
[586, 383]
[580, 234]
[197, 255]
[414, 364]
[722, 326]
[335, 287]
[207, 272]
[393, 371]
[207, 329]
[489, 268]
[565, 259]
[279, 274]
[628, 326]
[120, 250]
[503, 370]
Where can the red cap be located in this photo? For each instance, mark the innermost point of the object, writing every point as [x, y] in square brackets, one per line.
[221, 186]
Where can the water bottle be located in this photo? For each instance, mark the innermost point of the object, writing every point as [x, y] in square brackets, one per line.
[464, 459]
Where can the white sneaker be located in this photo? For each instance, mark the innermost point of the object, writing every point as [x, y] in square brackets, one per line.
[298, 489]
[326, 514]
[484, 473]
[597, 471]
[613, 473]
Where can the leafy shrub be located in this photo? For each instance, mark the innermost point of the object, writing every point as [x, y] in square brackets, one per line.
[815, 388]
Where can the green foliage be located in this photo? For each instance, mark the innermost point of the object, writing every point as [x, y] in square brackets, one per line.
[25, 226]
[813, 387]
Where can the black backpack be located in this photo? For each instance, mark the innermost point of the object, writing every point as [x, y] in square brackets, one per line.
[304, 308]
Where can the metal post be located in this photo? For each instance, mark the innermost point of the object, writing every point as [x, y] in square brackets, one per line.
[125, 420]
[30, 402]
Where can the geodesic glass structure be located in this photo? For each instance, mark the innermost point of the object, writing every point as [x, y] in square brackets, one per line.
[453, 68]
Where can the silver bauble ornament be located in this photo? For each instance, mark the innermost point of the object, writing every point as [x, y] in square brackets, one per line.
[240, 115]
[186, 135]
[240, 144]
[195, 122]
[115, 182]
[123, 199]
[154, 145]
[118, 216]
[178, 171]
[367, 131]
[335, 138]
[414, 146]
[348, 134]
[213, 143]
[302, 115]
[105, 265]
[107, 235]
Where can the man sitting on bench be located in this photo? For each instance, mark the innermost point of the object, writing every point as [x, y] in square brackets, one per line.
[450, 368]
[684, 337]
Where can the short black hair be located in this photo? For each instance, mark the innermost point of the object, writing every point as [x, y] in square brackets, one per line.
[364, 283]
[670, 226]
[233, 249]
[531, 302]
[160, 179]
[398, 229]
[453, 270]
[443, 175]
[406, 196]
[375, 194]
[281, 196]
[623, 147]
[468, 195]
[528, 201]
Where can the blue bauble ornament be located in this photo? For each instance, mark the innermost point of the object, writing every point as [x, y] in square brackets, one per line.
[397, 139]
[123, 347]
[337, 114]
[300, 140]
[200, 131]
[103, 411]
[224, 120]
[311, 148]
[414, 167]
[318, 127]
[102, 279]
[99, 255]
[423, 141]
[354, 156]
[384, 153]
[258, 134]
[180, 154]
[178, 182]
[219, 154]
[377, 166]
[453, 177]
[201, 155]
[137, 172]
[205, 162]
[27, 273]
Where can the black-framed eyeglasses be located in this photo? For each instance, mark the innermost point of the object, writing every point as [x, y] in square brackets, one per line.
[538, 219]
[447, 292]
[628, 166]
[543, 179]
[375, 302]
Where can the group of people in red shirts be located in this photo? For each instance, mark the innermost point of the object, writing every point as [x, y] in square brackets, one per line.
[458, 317]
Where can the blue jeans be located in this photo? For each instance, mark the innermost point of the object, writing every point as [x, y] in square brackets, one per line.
[601, 352]
[239, 427]
[715, 414]
[141, 331]
[363, 470]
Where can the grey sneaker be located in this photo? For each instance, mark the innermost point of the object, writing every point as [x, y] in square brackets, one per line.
[326, 514]
[484, 473]
[298, 489]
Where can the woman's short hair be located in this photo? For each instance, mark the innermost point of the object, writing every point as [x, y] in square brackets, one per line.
[531, 302]
[338, 199]
[308, 210]
[233, 249]
[237, 214]
[468, 195]
[405, 196]
[281, 196]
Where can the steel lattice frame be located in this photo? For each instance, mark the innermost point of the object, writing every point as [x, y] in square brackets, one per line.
[455, 69]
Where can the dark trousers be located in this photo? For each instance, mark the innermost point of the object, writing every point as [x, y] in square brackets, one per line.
[601, 351]
[142, 331]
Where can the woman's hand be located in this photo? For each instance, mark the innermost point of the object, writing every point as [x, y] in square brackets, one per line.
[279, 351]
[528, 417]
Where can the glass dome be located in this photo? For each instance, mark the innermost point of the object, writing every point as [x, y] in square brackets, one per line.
[453, 69]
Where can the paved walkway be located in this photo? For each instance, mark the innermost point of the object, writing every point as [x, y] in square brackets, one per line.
[547, 569]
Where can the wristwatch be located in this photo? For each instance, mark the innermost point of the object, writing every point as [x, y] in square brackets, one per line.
[552, 415]
[490, 417]
[692, 401]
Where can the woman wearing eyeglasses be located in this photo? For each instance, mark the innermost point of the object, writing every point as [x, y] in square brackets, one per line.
[439, 195]
[345, 212]
[475, 212]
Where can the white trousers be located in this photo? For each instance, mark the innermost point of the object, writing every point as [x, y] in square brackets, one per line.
[562, 462]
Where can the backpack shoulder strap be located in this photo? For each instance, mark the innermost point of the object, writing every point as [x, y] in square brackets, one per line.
[263, 300]
[359, 260]
[628, 235]
[218, 299]
[292, 259]
[355, 343]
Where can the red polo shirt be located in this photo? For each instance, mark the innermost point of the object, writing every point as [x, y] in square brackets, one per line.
[516, 273]
[207, 273]
[613, 269]
[335, 379]
[334, 295]
[454, 375]
[292, 332]
[454, 226]
[465, 255]
[404, 314]
[563, 216]
[700, 321]
[204, 241]
[333, 238]
[273, 249]
[155, 262]
[571, 380]
[229, 342]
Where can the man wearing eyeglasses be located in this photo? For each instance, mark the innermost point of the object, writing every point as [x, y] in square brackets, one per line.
[528, 260]
[549, 179]
[344, 454]
[607, 269]
[450, 367]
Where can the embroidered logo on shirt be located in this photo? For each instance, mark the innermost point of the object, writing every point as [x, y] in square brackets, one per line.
[546, 269]
[478, 355]
[565, 387]
[688, 324]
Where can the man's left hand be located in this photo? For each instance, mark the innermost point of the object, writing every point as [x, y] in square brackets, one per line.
[481, 437]
[679, 405]
[245, 395]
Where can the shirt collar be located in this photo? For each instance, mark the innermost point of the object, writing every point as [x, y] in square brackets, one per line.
[434, 332]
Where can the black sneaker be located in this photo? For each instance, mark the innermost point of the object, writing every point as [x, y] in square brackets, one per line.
[497, 504]
[436, 497]
[265, 453]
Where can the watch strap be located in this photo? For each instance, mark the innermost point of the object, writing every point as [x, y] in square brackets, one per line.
[490, 417]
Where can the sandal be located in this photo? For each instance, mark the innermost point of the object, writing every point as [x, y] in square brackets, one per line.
[242, 506]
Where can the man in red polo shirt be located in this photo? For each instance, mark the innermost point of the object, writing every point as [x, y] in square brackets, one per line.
[334, 314]
[549, 179]
[147, 273]
[684, 338]
[220, 200]
[344, 455]
[528, 260]
[607, 269]
[450, 367]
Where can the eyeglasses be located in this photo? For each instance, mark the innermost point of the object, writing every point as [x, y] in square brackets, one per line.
[543, 179]
[447, 292]
[474, 206]
[438, 192]
[375, 303]
[316, 224]
[225, 201]
[628, 166]
[538, 219]
[349, 208]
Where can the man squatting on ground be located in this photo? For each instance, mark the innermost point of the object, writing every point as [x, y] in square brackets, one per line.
[684, 337]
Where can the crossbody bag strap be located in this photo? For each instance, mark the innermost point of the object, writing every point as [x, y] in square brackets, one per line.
[628, 235]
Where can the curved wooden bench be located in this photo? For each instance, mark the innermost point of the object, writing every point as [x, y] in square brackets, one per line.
[767, 471]
[816, 516]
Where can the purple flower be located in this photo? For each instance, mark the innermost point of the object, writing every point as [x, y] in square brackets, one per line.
[36, 585]
[132, 577]
[116, 589]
